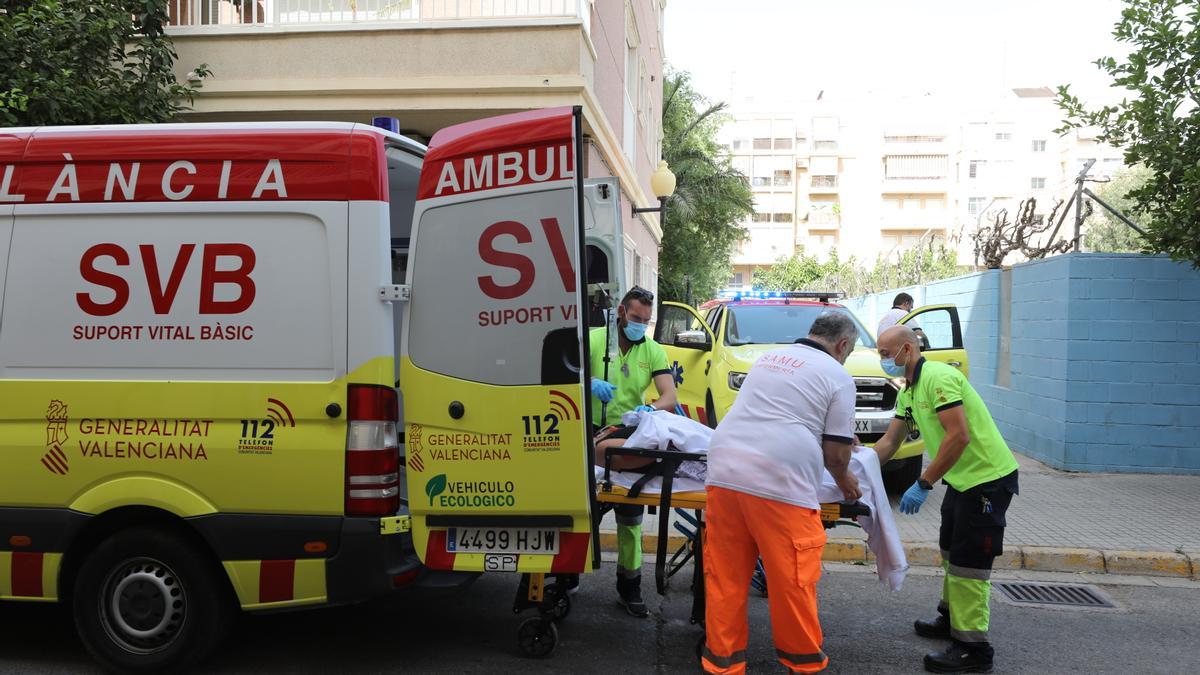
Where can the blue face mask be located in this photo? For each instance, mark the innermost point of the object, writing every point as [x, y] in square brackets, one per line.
[635, 331]
[892, 368]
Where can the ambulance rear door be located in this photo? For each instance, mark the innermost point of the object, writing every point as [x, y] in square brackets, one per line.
[492, 364]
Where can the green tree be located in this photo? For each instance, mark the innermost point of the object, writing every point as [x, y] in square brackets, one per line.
[700, 225]
[77, 62]
[918, 265]
[1105, 232]
[1158, 122]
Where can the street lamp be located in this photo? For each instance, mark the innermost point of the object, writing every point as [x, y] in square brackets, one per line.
[662, 184]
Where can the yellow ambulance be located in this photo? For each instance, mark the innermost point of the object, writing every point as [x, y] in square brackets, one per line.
[200, 337]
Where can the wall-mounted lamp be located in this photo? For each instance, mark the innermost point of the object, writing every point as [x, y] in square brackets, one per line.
[662, 184]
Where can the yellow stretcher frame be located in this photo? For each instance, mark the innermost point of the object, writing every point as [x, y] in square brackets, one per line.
[832, 513]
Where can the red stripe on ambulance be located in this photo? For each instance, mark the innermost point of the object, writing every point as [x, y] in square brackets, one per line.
[276, 580]
[436, 555]
[572, 552]
[194, 163]
[27, 574]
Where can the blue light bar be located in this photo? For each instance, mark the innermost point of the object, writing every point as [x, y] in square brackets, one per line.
[387, 123]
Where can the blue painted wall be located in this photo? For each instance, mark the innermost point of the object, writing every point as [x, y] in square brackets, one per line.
[1103, 371]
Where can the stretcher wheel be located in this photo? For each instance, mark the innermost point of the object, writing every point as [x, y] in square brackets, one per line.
[537, 637]
[556, 604]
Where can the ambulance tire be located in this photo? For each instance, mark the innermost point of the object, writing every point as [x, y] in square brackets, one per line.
[140, 569]
[537, 637]
[556, 604]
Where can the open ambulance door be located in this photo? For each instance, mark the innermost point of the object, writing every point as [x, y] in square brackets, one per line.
[492, 365]
[688, 342]
[943, 330]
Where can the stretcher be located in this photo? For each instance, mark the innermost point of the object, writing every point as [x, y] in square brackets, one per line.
[661, 490]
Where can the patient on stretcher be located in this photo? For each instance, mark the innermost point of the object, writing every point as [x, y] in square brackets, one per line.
[663, 430]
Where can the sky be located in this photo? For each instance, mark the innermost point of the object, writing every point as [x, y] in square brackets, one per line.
[774, 54]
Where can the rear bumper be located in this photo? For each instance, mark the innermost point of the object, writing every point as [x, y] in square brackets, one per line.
[369, 564]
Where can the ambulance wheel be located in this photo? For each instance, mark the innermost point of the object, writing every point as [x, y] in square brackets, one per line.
[537, 637]
[147, 600]
[556, 604]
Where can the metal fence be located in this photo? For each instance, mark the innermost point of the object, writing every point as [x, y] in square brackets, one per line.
[273, 13]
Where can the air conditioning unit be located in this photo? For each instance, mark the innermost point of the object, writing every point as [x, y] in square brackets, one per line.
[801, 162]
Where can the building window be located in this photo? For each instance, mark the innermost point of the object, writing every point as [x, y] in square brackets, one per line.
[825, 145]
[974, 167]
[737, 279]
[824, 181]
[762, 144]
[1039, 146]
[783, 178]
[762, 181]
[913, 139]
[783, 144]
[740, 144]
[782, 217]
[1003, 136]
[761, 217]
[908, 167]
[974, 206]
[1037, 183]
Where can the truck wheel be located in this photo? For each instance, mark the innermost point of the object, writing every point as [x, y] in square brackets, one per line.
[147, 600]
[900, 474]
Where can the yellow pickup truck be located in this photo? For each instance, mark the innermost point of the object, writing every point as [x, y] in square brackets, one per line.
[711, 349]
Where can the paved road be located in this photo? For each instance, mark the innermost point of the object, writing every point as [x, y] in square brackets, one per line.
[867, 631]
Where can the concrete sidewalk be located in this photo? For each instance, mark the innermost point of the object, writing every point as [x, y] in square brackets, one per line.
[1061, 522]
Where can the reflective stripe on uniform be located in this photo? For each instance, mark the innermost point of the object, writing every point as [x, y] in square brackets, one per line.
[800, 659]
[629, 550]
[724, 661]
[970, 572]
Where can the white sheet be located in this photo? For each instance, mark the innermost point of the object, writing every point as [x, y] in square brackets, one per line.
[883, 539]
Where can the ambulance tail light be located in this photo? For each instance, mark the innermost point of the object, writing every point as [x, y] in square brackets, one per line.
[372, 451]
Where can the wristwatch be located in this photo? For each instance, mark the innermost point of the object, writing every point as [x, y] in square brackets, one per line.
[924, 484]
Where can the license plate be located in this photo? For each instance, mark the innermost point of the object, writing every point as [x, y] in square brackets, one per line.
[501, 540]
[871, 426]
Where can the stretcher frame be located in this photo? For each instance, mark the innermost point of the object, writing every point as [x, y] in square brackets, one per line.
[832, 514]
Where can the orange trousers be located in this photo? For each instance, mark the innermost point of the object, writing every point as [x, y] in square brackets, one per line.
[740, 528]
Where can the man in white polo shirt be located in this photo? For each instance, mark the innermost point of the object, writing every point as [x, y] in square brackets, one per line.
[793, 417]
[902, 304]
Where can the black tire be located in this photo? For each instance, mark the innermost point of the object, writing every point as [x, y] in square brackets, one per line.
[556, 604]
[147, 600]
[537, 637]
[900, 474]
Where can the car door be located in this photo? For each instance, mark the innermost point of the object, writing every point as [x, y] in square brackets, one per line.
[492, 362]
[688, 342]
[942, 329]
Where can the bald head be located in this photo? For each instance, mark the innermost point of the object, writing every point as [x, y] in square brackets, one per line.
[895, 337]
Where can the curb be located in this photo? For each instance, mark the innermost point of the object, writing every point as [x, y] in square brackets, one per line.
[1179, 564]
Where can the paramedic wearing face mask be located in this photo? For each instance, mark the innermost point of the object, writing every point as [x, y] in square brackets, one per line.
[637, 362]
[793, 417]
[980, 473]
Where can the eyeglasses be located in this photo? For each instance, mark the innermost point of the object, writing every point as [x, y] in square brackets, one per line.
[640, 294]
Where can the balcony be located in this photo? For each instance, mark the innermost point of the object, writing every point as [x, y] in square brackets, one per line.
[823, 185]
[916, 185]
[272, 15]
[824, 220]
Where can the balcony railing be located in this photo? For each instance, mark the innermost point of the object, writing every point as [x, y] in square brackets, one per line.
[823, 184]
[824, 220]
[222, 15]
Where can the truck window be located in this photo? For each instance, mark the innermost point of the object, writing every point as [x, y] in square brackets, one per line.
[780, 324]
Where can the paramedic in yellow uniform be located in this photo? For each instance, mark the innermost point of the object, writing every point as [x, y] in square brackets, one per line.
[637, 361]
[980, 474]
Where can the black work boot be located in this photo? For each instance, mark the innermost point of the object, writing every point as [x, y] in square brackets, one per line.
[629, 595]
[937, 629]
[958, 658]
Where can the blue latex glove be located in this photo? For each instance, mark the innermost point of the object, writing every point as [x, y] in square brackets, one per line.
[644, 408]
[602, 390]
[913, 498]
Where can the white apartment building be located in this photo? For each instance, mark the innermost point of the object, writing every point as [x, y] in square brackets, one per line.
[870, 176]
